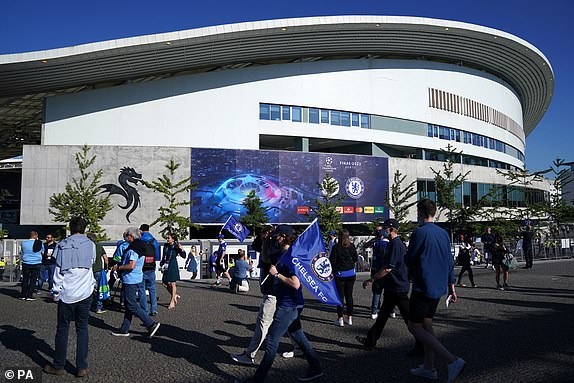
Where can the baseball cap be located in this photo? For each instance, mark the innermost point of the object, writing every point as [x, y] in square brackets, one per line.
[391, 223]
[283, 229]
[332, 232]
[220, 236]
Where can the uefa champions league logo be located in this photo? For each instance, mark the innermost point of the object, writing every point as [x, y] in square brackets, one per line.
[329, 160]
[321, 267]
[355, 187]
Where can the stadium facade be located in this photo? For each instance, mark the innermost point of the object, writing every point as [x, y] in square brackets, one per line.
[274, 106]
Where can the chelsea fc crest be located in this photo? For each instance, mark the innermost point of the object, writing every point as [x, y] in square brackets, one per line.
[355, 187]
[238, 227]
[321, 267]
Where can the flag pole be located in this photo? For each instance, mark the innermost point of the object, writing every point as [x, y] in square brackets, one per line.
[225, 223]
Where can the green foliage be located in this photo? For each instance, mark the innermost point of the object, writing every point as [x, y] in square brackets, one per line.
[521, 181]
[256, 215]
[326, 206]
[400, 200]
[556, 207]
[82, 197]
[170, 219]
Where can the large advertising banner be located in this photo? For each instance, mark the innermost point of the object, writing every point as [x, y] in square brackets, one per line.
[286, 183]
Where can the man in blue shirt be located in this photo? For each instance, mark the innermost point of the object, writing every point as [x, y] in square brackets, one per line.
[31, 263]
[73, 288]
[130, 267]
[431, 265]
[239, 281]
[148, 282]
[379, 251]
[396, 275]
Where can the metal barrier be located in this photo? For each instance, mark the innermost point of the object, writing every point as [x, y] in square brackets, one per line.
[10, 252]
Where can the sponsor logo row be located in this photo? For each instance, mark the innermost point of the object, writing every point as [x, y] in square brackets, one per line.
[303, 210]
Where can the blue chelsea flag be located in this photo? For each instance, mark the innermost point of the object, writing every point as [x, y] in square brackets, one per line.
[236, 228]
[308, 260]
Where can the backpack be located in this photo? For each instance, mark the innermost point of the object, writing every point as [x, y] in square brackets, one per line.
[149, 254]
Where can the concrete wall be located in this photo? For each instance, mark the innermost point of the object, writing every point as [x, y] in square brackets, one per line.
[47, 169]
[221, 109]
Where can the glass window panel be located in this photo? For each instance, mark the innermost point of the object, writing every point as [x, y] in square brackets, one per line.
[429, 130]
[264, 111]
[365, 121]
[324, 116]
[275, 112]
[285, 113]
[355, 119]
[335, 117]
[345, 118]
[296, 114]
[313, 116]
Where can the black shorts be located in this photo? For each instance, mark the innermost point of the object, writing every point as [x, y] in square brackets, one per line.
[421, 307]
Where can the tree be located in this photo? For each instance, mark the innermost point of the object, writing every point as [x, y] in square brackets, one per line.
[326, 205]
[170, 218]
[446, 185]
[556, 208]
[82, 197]
[520, 181]
[400, 200]
[256, 215]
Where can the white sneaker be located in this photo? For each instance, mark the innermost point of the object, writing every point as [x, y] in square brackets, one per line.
[339, 322]
[243, 358]
[374, 316]
[421, 372]
[392, 315]
[454, 369]
[350, 321]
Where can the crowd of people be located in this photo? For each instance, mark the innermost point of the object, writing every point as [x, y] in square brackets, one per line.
[73, 269]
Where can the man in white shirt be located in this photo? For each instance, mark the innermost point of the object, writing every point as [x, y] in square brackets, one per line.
[73, 288]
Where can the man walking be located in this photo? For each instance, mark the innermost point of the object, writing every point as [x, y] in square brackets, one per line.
[394, 271]
[527, 246]
[431, 266]
[379, 252]
[130, 268]
[73, 287]
[148, 283]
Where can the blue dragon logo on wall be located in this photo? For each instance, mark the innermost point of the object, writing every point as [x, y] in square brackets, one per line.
[355, 187]
[321, 267]
[130, 193]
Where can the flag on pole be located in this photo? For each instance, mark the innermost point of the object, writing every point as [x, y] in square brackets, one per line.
[309, 261]
[236, 228]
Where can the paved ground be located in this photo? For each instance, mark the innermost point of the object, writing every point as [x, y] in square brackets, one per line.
[524, 334]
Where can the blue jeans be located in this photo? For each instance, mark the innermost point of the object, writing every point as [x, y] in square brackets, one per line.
[148, 283]
[377, 289]
[285, 319]
[78, 312]
[96, 300]
[51, 269]
[133, 308]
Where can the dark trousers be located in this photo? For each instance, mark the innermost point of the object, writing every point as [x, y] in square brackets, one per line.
[470, 275]
[345, 289]
[528, 257]
[80, 313]
[390, 300]
[30, 274]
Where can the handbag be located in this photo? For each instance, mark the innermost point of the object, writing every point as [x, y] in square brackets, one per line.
[509, 262]
[103, 288]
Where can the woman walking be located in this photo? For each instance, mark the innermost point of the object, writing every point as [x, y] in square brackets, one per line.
[499, 251]
[171, 268]
[464, 261]
[343, 258]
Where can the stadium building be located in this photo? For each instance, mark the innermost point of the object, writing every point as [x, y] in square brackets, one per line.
[274, 106]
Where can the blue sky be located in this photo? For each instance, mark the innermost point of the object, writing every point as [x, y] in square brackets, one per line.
[37, 25]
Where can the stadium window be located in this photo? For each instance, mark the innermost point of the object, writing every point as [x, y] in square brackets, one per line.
[355, 119]
[429, 130]
[324, 116]
[313, 115]
[264, 111]
[335, 117]
[457, 137]
[285, 113]
[345, 119]
[275, 112]
[296, 114]
[365, 121]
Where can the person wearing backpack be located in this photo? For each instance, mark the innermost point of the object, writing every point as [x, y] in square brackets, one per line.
[152, 254]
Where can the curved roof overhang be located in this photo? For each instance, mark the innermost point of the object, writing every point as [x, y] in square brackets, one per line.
[27, 78]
